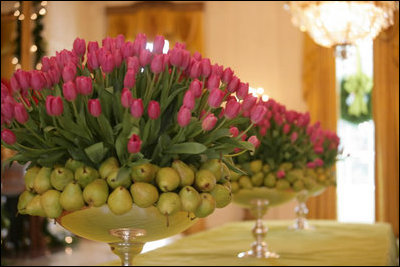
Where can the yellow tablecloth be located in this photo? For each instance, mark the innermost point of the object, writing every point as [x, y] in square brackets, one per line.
[331, 243]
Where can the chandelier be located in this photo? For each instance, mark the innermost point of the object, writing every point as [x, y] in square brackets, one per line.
[341, 23]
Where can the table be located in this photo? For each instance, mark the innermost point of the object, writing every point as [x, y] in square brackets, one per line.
[331, 243]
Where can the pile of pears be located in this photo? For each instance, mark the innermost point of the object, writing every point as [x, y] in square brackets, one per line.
[181, 187]
[297, 179]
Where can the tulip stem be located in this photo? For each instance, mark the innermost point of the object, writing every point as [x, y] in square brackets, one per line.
[237, 154]
[178, 76]
[245, 131]
[149, 91]
[75, 110]
[171, 78]
[33, 132]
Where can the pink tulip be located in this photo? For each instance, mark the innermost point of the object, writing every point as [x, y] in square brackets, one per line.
[54, 105]
[69, 91]
[263, 131]
[244, 137]
[15, 86]
[108, 43]
[140, 42]
[54, 75]
[293, 137]
[209, 122]
[175, 57]
[94, 107]
[243, 90]
[213, 82]
[234, 131]
[254, 140]
[45, 64]
[134, 144]
[137, 108]
[93, 47]
[197, 56]
[79, 47]
[119, 41]
[20, 113]
[286, 128]
[165, 61]
[158, 44]
[232, 109]
[310, 165]
[205, 67]
[107, 61]
[195, 70]
[189, 100]
[153, 110]
[48, 80]
[127, 50]
[195, 87]
[38, 82]
[318, 162]
[157, 64]
[227, 75]
[92, 61]
[133, 63]
[215, 98]
[184, 116]
[217, 70]
[280, 174]
[145, 57]
[185, 59]
[318, 149]
[278, 119]
[248, 102]
[130, 78]
[233, 84]
[24, 79]
[257, 114]
[126, 98]
[69, 72]
[84, 85]
[8, 137]
[117, 57]
[180, 45]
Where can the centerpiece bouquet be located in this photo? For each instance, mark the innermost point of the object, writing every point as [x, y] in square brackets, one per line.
[124, 141]
[291, 156]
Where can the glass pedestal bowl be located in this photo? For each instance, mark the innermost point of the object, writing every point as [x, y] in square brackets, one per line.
[258, 200]
[127, 233]
[301, 210]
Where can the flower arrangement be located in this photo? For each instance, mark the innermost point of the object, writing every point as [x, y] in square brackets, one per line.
[291, 154]
[97, 122]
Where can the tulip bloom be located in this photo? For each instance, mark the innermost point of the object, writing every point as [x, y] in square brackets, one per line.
[157, 64]
[130, 78]
[38, 82]
[127, 50]
[79, 47]
[280, 174]
[227, 75]
[126, 98]
[20, 113]
[195, 70]
[254, 140]
[145, 57]
[158, 44]
[8, 137]
[84, 85]
[233, 84]
[209, 122]
[92, 61]
[69, 91]
[153, 110]
[107, 61]
[69, 72]
[213, 82]
[293, 137]
[24, 79]
[248, 102]
[184, 116]
[257, 114]
[286, 128]
[195, 87]
[205, 67]
[318, 162]
[215, 98]
[93, 47]
[54, 105]
[243, 90]
[175, 57]
[189, 100]
[133, 63]
[134, 144]
[310, 165]
[94, 107]
[137, 108]
[232, 109]
[234, 131]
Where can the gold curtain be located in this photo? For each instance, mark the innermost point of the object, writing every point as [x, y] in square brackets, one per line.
[319, 92]
[176, 22]
[385, 97]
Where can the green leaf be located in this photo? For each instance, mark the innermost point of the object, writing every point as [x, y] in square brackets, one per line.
[110, 89]
[233, 167]
[187, 148]
[96, 152]
[123, 173]
[107, 129]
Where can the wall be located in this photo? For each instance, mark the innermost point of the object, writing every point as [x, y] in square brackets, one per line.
[256, 39]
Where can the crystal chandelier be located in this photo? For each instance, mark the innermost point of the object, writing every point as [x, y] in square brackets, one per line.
[334, 23]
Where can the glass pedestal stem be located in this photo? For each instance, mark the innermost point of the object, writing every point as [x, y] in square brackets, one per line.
[301, 210]
[129, 246]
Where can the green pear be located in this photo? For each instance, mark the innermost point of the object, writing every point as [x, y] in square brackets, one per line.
[234, 175]
[50, 202]
[60, 177]
[222, 195]
[167, 179]
[71, 198]
[190, 199]
[310, 173]
[225, 174]
[30, 177]
[144, 173]
[257, 179]
[282, 184]
[245, 182]
[270, 180]
[96, 193]
[42, 180]
[34, 208]
[298, 185]
[205, 180]
[169, 203]
[294, 175]
[256, 166]
[144, 194]
[193, 168]
[309, 183]
[215, 166]
[286, 166]
[186, 174]
[246, 167]
[85, 175]
[120, 201]
[124, 181]
[73, 165]
[206, 207]
[23, 201]
[266, 168]
[235, 187]
[321, 177]
[108, 166]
